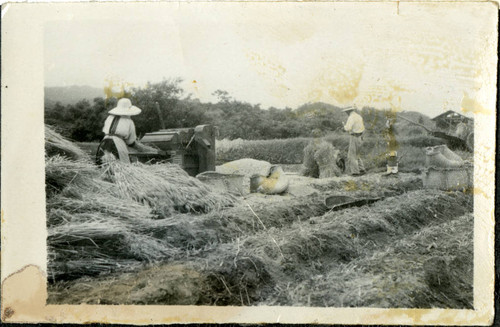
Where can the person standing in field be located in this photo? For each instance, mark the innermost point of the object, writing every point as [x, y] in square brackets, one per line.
[355, 127]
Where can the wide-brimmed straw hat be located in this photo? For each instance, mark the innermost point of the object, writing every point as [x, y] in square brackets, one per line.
[350, 108]
[124, 107]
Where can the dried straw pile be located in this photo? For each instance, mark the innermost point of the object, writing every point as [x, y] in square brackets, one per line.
[281, 266]
[320, 160]
[57, 144]
[166, 188]
[61, 172]
[90, 228]
[370, 256]
[310, 166]
[433, 267]
[326, 157]
[293, 255]
[97, 217]
[211, 229]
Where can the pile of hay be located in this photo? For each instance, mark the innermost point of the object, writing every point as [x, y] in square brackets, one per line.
[166, 188]
[167, 284]
[91, 230]
[310, 166]
[431, 268]
[338, 238]
[242, 220]
[370, 256]
[56, 144]
[97, 216]
[326, 158]
[320, 160]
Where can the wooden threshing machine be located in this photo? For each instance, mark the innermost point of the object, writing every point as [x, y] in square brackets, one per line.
[191, 148]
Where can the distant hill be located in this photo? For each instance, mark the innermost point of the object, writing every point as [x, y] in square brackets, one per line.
[71, 94]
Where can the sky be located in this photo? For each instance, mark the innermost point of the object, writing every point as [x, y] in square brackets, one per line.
[421, 57]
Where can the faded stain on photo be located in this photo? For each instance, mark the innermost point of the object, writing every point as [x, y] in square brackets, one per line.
[312, 155]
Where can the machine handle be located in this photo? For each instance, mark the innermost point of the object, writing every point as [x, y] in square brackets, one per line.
[160, 115]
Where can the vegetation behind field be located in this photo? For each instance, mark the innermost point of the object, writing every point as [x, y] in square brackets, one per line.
[82, 120]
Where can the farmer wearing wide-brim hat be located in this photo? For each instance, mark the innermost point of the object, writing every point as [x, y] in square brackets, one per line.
[355, 127]
[119, 122]
[119, 130]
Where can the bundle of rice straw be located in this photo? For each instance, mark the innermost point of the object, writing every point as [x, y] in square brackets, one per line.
[96, 214]
[60, 172]
[56, 144]
[326, 158]
[310, 166]
[164, 187]
[89, 237]
[63, 208]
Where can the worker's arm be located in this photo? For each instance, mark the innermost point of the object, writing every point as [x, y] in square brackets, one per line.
[107, 124]
[132, 137]
[349, 123]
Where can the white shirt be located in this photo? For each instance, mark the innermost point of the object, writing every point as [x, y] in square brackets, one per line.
[124, 129]
[354, 123]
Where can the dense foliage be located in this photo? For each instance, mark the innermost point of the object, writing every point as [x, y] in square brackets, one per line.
[235, 119]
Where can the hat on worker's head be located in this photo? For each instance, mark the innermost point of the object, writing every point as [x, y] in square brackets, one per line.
[124, 107]
[348, 109]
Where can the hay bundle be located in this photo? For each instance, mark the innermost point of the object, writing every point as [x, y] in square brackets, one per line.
[326, 158]
[165, 187]
[320, 160]
[61, 172]
[62, 208]
[91, 237]
[91, 219]
[276, 183]
[310, 166]
[56, 144]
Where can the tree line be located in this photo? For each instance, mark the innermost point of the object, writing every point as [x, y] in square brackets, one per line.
[83, 121]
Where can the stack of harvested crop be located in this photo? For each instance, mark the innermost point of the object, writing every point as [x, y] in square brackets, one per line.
[61, 172]
[310, 166]
[91, 219]
[326, 157]
[97, 217]
[165, 187]
[320, 160]
[246, 167]
[57, 144]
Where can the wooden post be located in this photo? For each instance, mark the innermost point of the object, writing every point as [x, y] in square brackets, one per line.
[160, 115]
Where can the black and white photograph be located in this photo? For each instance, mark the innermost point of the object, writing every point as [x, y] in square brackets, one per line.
[267, 155]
